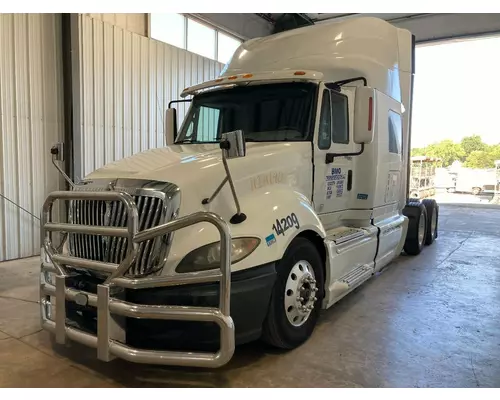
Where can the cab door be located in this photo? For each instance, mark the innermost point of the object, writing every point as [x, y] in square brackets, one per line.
[333, 172]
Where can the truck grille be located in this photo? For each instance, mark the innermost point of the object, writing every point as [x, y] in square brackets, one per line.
[153, 210]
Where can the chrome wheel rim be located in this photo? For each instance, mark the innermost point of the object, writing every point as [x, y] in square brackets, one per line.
[421, 229]
[300, 293]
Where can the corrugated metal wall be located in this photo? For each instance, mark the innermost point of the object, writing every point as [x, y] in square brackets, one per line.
[137, 23]
[126, 82]
[31, 122]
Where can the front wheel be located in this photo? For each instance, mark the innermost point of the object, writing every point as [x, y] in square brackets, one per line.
[297, 295]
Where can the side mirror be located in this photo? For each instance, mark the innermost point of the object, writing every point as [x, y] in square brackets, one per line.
[170, 128]
[233, 144]
[364, 115]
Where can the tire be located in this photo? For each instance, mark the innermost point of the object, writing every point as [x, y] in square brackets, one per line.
[432, 209]
[417, 215]
[278, 330]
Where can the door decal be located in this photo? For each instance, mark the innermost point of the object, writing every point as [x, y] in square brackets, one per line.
[335, 182]
[391, 190]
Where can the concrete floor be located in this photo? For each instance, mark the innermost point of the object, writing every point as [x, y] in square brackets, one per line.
[426, 321]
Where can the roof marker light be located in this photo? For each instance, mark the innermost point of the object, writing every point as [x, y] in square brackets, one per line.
[219, 80]
[247, 75]
[299, 73]
[231, 78]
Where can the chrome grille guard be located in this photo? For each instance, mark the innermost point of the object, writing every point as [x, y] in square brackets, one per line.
[109, 332]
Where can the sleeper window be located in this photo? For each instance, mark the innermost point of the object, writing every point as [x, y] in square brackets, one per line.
[395, 132]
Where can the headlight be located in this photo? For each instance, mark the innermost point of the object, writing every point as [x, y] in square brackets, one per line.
[208, 256]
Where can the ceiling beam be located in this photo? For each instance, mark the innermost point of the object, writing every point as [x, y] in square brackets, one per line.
[244, 26]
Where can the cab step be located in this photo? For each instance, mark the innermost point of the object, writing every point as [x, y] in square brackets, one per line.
[357, 275]
[350, 281]
[344, 234]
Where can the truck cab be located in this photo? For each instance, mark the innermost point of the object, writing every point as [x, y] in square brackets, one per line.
[284, 189]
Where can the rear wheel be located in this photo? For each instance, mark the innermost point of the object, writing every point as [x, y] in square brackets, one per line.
[432, 220]
[476, 191]
[296, 299]
[417, 227]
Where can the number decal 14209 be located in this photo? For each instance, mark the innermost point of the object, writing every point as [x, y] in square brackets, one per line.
[283, 224]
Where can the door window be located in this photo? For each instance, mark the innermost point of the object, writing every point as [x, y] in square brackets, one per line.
[340, 118]
[325, 122]
[334, 120]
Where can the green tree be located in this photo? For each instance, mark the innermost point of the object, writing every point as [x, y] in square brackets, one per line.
[418, 151]
[483, 159]
[494, 152]
[473, 143]
[477, 159]
[447, 150]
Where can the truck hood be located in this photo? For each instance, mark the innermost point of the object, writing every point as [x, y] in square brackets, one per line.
[197, 169]
[161, 164]
[181, 163]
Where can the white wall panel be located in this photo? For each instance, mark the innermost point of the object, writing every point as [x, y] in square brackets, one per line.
[31, 121]
[126, 82]
[137, 23]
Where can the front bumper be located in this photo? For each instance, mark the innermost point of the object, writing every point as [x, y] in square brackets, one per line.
[111, 300]
[250, 294]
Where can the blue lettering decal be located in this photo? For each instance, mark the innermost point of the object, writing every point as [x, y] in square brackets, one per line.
[270, 240]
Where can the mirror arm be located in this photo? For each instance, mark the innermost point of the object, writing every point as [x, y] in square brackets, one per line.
[331, 156]
[55, 152]
[239, 216]
[219, 188]
[343, 82]
[178, 101]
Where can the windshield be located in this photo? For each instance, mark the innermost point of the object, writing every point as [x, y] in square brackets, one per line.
[265, 113]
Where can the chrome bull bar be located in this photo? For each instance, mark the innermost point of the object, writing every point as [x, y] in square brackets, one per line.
[110, 335]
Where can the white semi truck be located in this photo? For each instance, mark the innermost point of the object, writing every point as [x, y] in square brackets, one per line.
[285, 188]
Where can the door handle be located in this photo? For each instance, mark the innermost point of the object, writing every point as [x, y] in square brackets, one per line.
[349, 180]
